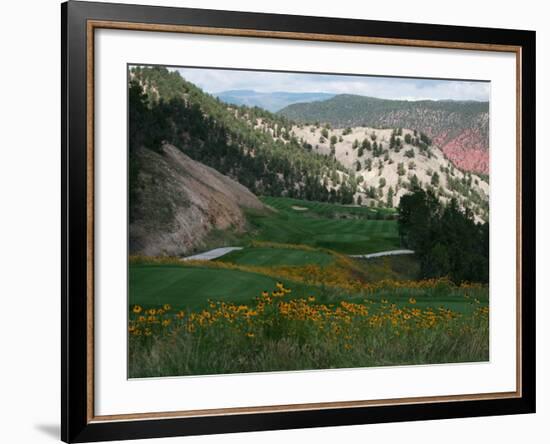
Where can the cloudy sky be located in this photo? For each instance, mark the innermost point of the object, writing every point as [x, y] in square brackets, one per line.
[218, 80]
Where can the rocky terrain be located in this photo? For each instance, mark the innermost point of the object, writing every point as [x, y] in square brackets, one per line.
[459, 128]
[179, 202]
[197, 163]
[385, 170]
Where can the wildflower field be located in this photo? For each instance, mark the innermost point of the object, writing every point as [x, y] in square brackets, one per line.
[277, 331]
[278, 307]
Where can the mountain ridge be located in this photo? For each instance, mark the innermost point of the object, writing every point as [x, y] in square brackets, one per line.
[271, 101]
[459, 128]
[272, 155]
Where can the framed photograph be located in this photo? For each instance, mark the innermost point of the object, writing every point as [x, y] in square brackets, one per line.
[276, 221]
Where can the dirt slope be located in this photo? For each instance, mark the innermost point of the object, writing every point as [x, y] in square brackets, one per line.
[386, 166]
[177, 203]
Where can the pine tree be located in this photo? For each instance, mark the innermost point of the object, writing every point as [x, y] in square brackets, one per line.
[401, 169]
[389, 198]
[368, 164]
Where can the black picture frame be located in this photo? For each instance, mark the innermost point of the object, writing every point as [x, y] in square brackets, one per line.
[76, 423]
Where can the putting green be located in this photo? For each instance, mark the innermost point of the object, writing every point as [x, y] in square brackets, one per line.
[263, 256]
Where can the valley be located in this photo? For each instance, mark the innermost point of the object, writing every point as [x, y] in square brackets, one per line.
[277, 217]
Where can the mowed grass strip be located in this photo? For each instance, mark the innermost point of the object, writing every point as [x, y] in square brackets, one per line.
[191, 287]
[266, 256]
[349, 235]
[325, 208]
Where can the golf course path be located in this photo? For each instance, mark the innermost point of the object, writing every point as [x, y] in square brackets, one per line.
[382, 253]
[211, 254]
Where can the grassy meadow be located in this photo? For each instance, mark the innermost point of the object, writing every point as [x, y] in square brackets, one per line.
[293, 299]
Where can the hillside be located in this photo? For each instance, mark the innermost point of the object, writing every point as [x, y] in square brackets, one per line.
[388, 163]
[271, 101]
[178, 202]
[271, 155]
[459, 128]
[264, 156]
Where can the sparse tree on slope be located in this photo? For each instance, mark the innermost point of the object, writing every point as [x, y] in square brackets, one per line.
[389, 198]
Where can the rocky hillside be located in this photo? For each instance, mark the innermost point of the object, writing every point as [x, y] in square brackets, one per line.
[459, 128]
[268, 155]
[265, 158]
[177, 204]
[388, 163]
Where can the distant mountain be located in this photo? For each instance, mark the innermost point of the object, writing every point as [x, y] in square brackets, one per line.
[273, 101]
[459, 128]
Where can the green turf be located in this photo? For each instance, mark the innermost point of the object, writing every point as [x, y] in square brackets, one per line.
[348, 230]
[325, 209]
[425, 299]
[191, 287]
[187, 287]
[266, 256]
[447, 297]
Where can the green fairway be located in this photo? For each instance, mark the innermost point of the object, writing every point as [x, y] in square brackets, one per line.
[192, 287]
[325, 209]
[265, 256]
[348, 230]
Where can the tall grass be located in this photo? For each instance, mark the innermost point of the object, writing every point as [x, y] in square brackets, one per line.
[279, 333]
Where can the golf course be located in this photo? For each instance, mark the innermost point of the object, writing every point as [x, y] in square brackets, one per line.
[295, 235]
[272, 241]
[303, 245]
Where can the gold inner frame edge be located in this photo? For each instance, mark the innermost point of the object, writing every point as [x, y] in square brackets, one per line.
[92, 25]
